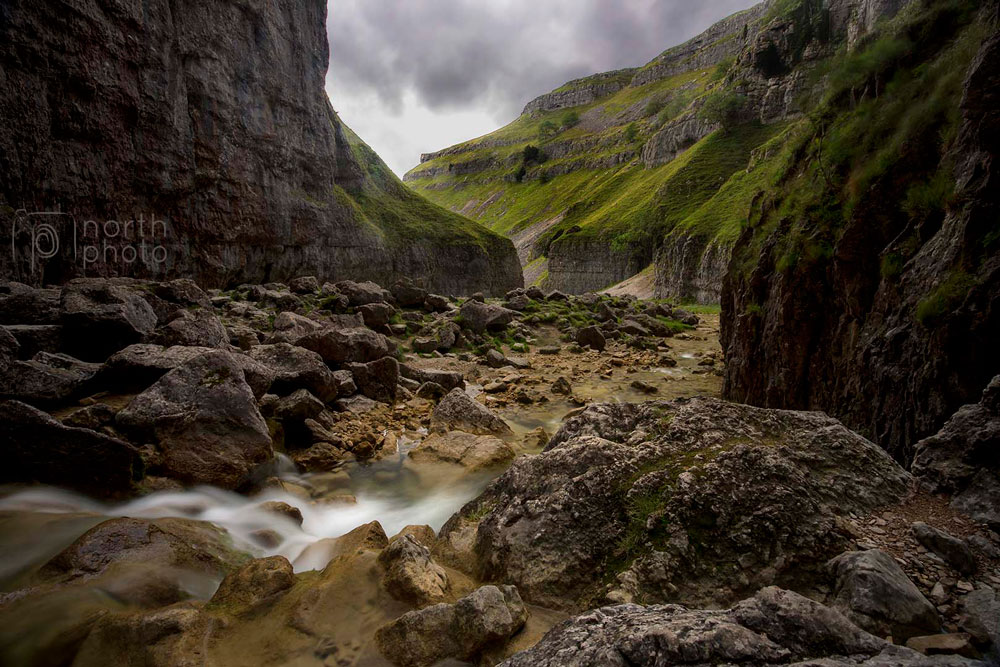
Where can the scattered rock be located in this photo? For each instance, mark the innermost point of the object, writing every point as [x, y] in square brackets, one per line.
[562, 386]
[874, 592]
[481, 317]
[340, 346]
[203, 416]
[474, 452]
[47, 378]
[420, 638]
[591, 337]
[377, 379]
[459, 412]
[101, 318]
[304, 285]
[958, 643]
[411, 576]
[298, 368]
[952, 550]
[198, 328]
[37, 448]
[256, 584]
[376, 315]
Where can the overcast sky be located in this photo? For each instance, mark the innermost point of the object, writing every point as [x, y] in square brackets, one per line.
[413, 76]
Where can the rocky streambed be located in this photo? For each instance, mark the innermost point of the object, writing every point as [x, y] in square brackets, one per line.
[344, 474]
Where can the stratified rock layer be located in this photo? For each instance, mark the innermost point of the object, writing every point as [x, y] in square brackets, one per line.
[196, 139]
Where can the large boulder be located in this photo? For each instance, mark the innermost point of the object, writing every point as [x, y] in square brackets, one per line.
[460, 412]
[462, 630]
[874, 592]
[203, 417]
[37, 448]
[138, 366]
[47, 378]
[963, 458]
[377, 380]
[447, 379]
[289, 327]
[193, 328]
[775, 627]
[591, 337]
[480, 317]
[693, 501]
[949, 548]
[101, 318]
[35, 338]
[360, 294]
[346, 345]
[256, 584]
[473, 452]
[407, 294]
[21, 304]
[297, 368]
[410, 575]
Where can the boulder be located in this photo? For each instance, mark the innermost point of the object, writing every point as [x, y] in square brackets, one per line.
[420, 638]
[304, 285]
[410, 575]
[952, 644]
[138, 366]
[407, 294]
[556, 295]
[377, 379]
[534, 292]
[447, 379]
[192, 328]
[348, 345]
[495, 359]
[255, 585]
[9, 349]
[460, 412]
[360, 294]
[562, 386]
[591, 337]
[961, 458]
[101, 318]
[473, 452]
[37, 448]
[182, 291]
[518, 302]
[203, 417]
[376, 315]
[874, 592]
[952, 550]
[430, 391]
[289, 327]
[298, 368]
[435, 303]
[162, 551]
[320, 457]
[280, 508]
[34, 338]
[692, 501]
[440, 336]
[685, 317]
[47, 378]
[243, 337]
[21, 304]
[481, 317]
[981, 616]
[774, 627]
[297, 407]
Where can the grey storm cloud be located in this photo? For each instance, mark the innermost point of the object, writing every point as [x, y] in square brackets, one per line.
[499, 54]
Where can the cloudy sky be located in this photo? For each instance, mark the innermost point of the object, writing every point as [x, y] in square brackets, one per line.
[413, 76]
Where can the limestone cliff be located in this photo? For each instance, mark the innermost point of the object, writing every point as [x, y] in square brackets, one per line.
[867, 281]
[206, 126]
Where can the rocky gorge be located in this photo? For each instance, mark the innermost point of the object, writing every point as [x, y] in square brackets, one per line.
[341, 425]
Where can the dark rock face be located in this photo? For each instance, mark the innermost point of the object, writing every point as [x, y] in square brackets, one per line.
[775, 627]
[912, 374]
[199, 141]
[37, 448]
[689, 500]
[963, 459]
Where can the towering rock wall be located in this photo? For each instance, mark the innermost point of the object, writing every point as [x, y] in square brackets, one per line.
[895, 326]
[207, 128]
